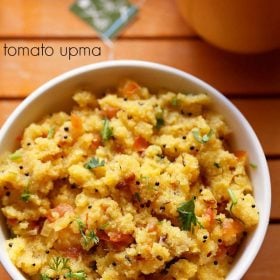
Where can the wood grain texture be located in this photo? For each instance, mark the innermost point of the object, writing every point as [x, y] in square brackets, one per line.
[6, 108]
[230, 73]
[264, 266]
[45, 18]
[263, 114]
[267, 262]
[274, 168]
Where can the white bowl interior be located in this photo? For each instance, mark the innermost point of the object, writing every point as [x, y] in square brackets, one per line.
[56, 95]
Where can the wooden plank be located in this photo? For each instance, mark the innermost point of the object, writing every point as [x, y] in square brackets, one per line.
[4, 274]
[274, 168]
[263, 114]
[265, 266]
[33, 18]
[6, 108]
[232, 74]
[267, 263]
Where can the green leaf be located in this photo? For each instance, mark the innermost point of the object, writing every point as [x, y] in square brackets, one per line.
[25, 195]
[175, 101]
[93, 163]
[80, 275]
[202, 139]
[51, 133]
[160, 120]
[107, 131]
[59, 263]
[44, 276]
[15, 156]
[102, 227]
[88, 239]
[187, 215]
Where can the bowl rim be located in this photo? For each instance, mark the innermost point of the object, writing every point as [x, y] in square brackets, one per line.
[262, 227]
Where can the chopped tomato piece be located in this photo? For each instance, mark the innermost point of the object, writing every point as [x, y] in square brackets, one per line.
[96, 141]
[140, 144]
[118, 148]
[240, 154]
[72, 252]
[36, 224]
[222, 249]
[77, 126]
[232, 250]
[127, 183]
[109, 112]
[232, 227]
[129, 88]
[58, 212]
[210, 214]
[122, 238]
[12, 222]
[102, 235]
[116, 238]
[127, 180]
[152, 227]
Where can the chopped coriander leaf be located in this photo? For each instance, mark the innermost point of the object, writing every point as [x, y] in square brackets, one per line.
[15, 156]
[88, 239]
[51, 133]
[254, 166]
[59, 263]
[202, 139]
[93, 163]
[44, 276]
[233, 199]
[102, 227]
[187, 215]
[216, 164]
[160, 123]
[80, 275]
[107, 131]
[174, 101]
[160, 120]
[25, 195]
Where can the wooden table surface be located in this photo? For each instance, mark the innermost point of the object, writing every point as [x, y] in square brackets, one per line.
[158, 34]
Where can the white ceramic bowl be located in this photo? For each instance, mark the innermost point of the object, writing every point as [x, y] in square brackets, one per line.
[56, 95]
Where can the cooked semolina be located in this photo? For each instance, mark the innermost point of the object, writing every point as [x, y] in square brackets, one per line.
[133, 185]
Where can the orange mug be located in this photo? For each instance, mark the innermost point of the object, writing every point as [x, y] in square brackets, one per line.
[244, 26]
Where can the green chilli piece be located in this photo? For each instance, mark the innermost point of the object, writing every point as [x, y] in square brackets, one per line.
[253, 165]
[202, 139]
[79, 275]
[15, 156]
[107, 131]
[233, 198]
[175, 101]
[51, 133]
[44, 276]
[108, 17]
[94, 162]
